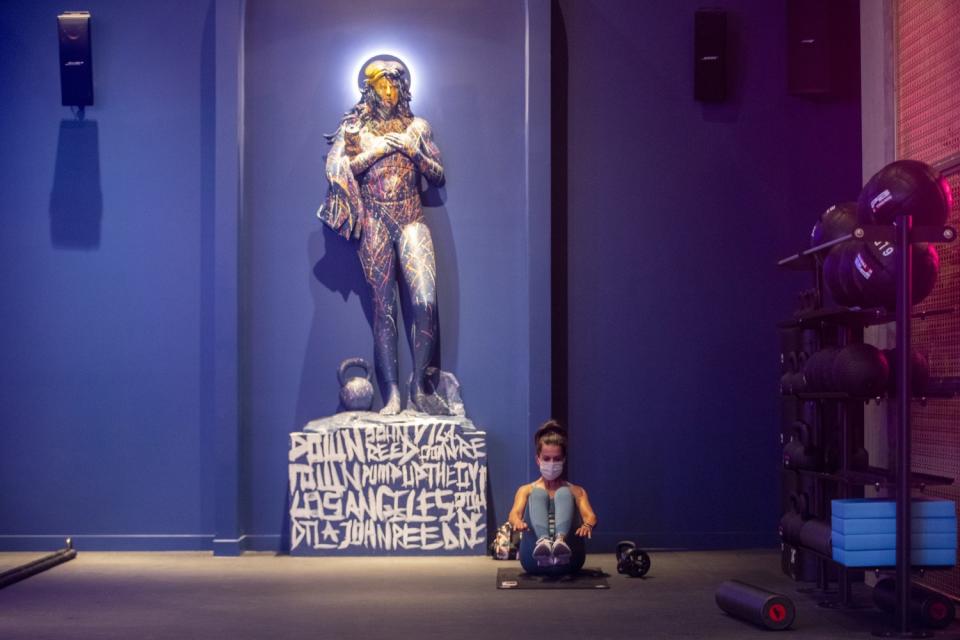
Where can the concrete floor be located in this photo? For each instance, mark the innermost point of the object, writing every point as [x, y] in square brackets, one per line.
[195, 595]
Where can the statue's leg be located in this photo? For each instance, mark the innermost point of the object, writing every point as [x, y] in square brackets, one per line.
[419, 266]
[379, 266]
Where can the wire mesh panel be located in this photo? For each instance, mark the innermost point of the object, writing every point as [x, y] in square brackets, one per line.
[928, 128]
[928, 74]
[938, 337]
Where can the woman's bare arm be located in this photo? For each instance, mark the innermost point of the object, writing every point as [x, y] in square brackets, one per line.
[587, 515]
[519, 504]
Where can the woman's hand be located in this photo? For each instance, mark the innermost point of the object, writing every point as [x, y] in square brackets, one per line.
[516, 513]
[585, 531]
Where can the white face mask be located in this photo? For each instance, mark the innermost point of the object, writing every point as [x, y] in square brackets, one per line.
[551, 470]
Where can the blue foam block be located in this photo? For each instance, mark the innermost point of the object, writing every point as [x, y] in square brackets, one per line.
[863, 508]
[864, 541]
[887, 558]
[933, 508]
[889, 525]
[881, 508]
[887, 541]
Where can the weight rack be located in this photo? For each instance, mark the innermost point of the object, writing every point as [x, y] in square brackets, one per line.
[900, 477]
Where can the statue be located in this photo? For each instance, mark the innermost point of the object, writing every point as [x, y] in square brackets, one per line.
[378, 155]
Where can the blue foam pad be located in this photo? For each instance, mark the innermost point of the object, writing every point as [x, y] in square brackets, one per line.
[933, 508]
[877, 508]
[863, 508]
[887, 541]
[864, 541]
[889, 525]
[888, 557]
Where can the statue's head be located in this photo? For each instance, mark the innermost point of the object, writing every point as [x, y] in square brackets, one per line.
[384, 83]
[385, 86]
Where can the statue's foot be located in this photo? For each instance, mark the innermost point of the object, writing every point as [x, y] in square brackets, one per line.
[392, 407]
[430, 403]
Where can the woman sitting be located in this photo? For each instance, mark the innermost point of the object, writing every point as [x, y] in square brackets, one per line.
[553, 515]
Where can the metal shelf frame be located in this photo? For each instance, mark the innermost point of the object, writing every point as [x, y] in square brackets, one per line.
[900, 479]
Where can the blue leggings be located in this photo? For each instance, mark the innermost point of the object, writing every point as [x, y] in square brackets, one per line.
[566, 518]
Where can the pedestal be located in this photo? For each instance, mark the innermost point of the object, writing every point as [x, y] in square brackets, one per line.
[365, 484]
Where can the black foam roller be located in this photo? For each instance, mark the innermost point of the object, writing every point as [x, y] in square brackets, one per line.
[926, 607]
[790, 524]
[753, 604]
[815, 534]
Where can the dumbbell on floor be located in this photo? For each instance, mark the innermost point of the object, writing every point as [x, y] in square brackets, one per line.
[631, 560]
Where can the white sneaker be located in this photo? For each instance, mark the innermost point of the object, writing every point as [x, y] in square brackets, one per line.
[561, 551]
[543, 551]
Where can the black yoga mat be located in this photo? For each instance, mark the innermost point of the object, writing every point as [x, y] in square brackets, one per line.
[515, 578]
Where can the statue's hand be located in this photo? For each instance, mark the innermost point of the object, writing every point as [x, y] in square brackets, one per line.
[381, 147]
[403, 143]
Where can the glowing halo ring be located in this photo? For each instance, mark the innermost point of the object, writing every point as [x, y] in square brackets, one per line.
[352, 74]
[387, 57]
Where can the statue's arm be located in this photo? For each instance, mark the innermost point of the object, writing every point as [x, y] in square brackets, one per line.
[428, 156]
[365, 159]
[342, 210]
[334, 155]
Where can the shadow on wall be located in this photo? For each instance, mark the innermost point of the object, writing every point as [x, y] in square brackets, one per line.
[76, 200]
[337, 267]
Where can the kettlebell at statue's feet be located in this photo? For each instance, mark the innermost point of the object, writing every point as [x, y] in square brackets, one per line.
[356, 392]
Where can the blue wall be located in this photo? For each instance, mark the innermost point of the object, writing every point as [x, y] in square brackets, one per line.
[309, 304]
[118, 377]
[134, 414]
[104, 390]
[677, 213]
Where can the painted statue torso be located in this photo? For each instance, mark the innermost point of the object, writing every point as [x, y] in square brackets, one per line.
[390, 187]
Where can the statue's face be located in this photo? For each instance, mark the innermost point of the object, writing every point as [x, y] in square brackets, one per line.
[386, 90]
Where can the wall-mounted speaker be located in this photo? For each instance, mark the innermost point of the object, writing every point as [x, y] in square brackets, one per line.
[823, 48]
[710, 55]
[76, 63]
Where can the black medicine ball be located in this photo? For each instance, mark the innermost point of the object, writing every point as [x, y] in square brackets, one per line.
[905, 187]
[874, 271]
[838, 273]
[861, 370]
[818, 370]
[919, 371]
[837, 221]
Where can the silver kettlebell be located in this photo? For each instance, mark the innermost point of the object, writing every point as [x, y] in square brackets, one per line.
[356, 393]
